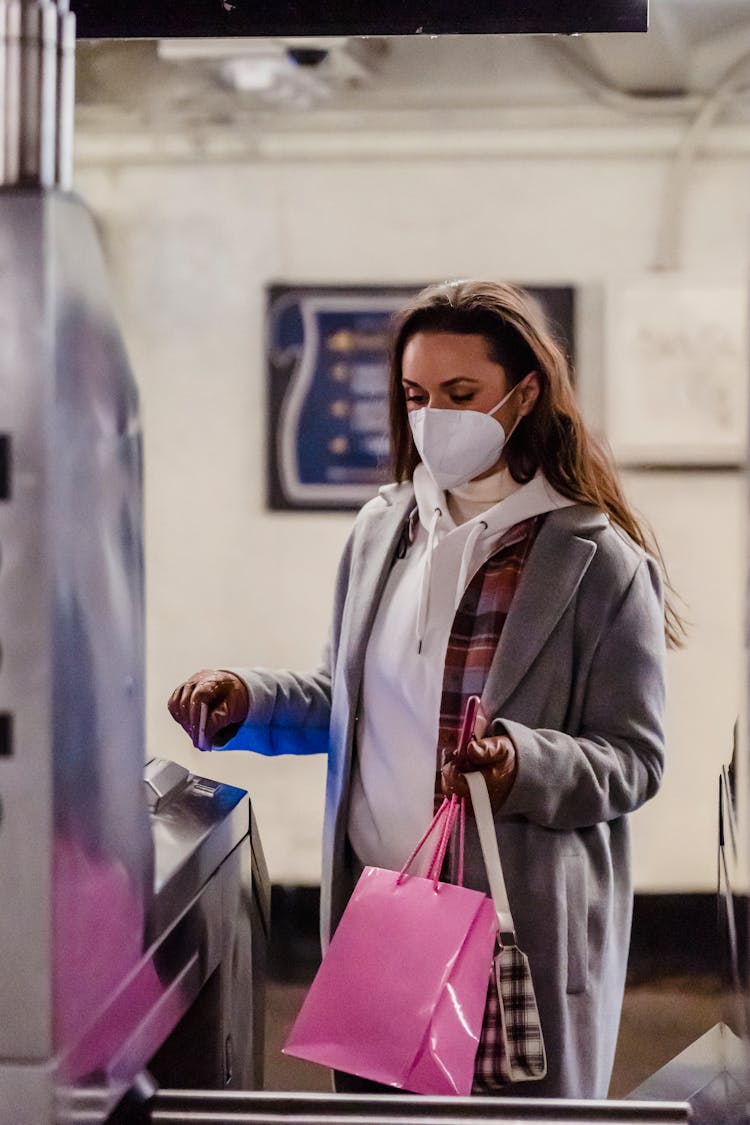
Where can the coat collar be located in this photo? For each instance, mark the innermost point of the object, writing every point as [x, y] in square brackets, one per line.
[371, 566]
[558, 560]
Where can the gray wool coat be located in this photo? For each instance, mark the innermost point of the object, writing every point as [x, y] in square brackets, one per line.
[577, 683]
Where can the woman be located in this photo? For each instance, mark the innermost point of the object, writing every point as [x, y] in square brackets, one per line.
[504, 562]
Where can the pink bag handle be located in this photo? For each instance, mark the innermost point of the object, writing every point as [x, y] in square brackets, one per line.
[457, 862]
[457, 859]
[468, 723]
[438, 856]
[447, 813]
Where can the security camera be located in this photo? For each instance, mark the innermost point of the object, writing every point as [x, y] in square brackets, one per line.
[307, 56]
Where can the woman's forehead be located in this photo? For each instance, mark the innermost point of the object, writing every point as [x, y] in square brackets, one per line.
[448, 356]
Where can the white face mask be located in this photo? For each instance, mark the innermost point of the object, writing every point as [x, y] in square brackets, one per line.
[458, 445]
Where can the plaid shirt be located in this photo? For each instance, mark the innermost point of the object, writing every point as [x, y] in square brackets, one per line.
[476, 631]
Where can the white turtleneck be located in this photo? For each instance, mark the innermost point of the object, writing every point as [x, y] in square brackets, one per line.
[477, 496]
[394, 769]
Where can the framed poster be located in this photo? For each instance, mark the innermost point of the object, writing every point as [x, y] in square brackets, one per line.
[328, 443]
[676, 372]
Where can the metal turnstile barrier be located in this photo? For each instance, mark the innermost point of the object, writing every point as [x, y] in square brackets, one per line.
[176, 1107]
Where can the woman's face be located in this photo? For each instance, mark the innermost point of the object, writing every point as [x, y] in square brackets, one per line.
[449, 371]
[446, 370]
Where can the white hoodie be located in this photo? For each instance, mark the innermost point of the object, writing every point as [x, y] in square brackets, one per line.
[394, 771]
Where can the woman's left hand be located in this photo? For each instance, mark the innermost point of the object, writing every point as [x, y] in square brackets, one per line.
[494, 757]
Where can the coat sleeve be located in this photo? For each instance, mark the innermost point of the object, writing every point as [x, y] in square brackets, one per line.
[615, 761]
[290, 712]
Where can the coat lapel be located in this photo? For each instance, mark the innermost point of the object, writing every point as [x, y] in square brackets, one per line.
[371, 566]
[556, 564]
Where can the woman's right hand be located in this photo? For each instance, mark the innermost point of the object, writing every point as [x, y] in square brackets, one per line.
[225, 696]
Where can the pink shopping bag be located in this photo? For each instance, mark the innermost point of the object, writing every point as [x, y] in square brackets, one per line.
[400, 994]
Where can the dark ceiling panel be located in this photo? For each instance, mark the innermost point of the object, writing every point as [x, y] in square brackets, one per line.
[162, 19]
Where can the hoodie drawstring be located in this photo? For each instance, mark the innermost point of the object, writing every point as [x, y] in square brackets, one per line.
[478, 529]
[424, 593]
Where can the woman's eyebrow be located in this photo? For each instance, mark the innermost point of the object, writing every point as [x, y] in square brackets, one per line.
[447, 383]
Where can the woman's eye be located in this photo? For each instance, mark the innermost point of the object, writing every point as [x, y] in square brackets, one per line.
[463, 398]
[415, 398]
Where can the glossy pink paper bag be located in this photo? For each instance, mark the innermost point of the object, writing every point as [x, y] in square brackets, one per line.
[401, 991]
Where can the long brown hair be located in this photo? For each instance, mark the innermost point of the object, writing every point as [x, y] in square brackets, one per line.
[553, 436]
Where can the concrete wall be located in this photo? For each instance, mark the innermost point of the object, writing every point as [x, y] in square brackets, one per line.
[191, 246]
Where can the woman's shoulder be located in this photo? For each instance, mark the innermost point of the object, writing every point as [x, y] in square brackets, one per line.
[393, 500]
[376, 523]
[616, 555]
[610, 565]
[378, 517]
[590, 522]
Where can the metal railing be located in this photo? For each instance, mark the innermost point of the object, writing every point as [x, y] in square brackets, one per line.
[184, 1107]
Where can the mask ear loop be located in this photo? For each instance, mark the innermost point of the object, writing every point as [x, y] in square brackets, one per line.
[503, 400]
[520, 417]
[512, 390]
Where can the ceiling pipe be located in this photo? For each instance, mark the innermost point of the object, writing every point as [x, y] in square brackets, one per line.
[669, 243]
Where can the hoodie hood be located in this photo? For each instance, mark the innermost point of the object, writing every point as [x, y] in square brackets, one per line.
[454, 553]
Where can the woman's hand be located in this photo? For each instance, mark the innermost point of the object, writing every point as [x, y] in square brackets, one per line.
[225, 696]
[494, 757]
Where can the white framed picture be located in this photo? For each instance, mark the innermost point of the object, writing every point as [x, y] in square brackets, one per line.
[676, 387]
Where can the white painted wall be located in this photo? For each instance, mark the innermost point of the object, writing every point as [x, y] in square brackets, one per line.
[191, 247]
